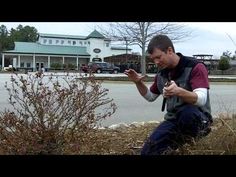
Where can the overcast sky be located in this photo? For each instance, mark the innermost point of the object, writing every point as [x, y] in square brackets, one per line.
[208, 37]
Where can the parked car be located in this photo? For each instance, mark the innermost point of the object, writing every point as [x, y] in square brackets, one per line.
[84, 68]
[99, 67]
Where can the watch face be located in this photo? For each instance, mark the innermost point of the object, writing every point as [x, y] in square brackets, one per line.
[96, 50]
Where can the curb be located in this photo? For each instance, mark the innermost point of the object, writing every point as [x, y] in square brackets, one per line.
[150, 79]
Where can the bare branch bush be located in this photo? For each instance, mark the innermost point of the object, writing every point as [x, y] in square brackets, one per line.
[52, 115]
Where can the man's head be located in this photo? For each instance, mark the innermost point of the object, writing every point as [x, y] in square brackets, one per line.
[161, 42]
[162, 51]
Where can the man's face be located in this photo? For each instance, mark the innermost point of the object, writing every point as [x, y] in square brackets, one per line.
[161, 58]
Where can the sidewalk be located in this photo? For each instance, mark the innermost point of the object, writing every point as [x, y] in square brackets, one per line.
[123, 77]
[223, 76]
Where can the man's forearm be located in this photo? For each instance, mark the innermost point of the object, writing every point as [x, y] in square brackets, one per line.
[142, 88]
[187, 96]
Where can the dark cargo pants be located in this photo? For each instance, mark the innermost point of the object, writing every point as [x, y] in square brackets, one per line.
[190, 122]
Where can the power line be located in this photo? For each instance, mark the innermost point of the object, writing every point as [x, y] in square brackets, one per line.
[231, 39]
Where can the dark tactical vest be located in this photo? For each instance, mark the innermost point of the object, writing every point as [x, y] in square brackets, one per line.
[182, 79]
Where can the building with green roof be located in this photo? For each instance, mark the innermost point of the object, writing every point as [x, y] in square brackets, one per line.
[57, 49]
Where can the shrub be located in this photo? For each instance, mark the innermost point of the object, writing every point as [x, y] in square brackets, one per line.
[56, 66]
[52, 115]
[224, 64]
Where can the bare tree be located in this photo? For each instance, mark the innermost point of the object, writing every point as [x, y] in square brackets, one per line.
[140, 33]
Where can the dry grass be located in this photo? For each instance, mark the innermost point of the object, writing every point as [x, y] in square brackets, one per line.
[128, 141]
[221, 141]
[119, 141]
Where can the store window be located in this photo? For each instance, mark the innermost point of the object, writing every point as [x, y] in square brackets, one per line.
[22, 64]
[28, 65]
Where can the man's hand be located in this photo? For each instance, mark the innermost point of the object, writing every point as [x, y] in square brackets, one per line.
[170, 90]
[133, 75]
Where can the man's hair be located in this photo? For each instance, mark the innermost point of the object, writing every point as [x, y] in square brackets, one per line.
[161, 42]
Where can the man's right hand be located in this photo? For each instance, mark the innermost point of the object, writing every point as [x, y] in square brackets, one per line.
[133, 75]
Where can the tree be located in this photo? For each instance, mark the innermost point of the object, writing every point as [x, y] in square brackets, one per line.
[140, 33]
[5, 41]
[226, 54]
[234, 56]
[224, 63]
[24, 34]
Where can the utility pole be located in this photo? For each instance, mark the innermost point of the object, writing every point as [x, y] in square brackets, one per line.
[126, 39]
[126, 51]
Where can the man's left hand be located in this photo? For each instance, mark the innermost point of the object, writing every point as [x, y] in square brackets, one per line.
[170, 90]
